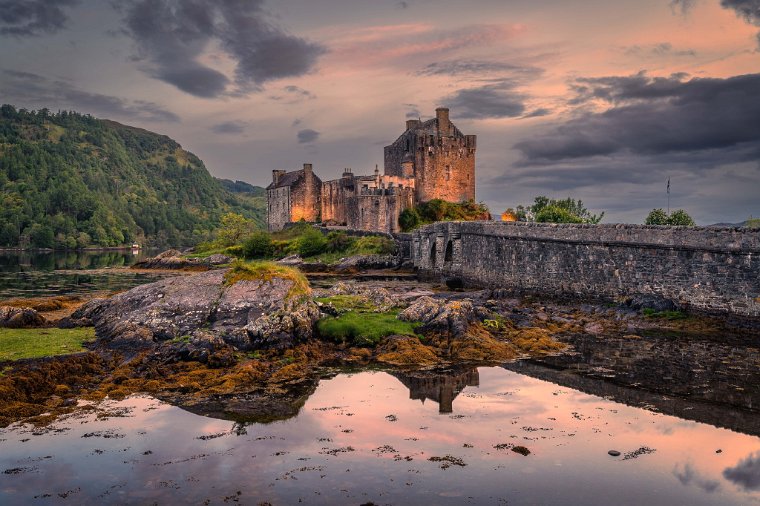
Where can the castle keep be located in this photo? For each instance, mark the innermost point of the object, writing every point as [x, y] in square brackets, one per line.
[430, 160]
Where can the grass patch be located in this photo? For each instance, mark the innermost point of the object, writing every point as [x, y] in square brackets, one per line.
[16, 344]
[667, 315]
[266, 271]
[364, 329]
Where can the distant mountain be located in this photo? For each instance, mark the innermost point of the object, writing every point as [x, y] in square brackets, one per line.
[242, 187]
[750, 223]
[71, 180]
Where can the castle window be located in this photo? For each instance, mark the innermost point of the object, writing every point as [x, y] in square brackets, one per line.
[448, 172]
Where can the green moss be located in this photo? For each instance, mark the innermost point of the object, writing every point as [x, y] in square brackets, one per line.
[266, 271]
[364, 329]
[16, 344]
[667, 315]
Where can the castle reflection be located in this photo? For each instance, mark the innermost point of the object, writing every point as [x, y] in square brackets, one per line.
[440, 386]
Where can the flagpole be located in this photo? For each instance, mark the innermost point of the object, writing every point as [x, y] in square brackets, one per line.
[668, 195]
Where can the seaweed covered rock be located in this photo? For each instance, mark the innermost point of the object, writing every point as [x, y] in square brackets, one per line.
[20, 317]
[246, 307]
[452, 317]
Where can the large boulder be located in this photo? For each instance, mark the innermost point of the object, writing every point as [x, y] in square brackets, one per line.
[202, 311]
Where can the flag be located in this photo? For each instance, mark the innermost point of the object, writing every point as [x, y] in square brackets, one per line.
[668, 185]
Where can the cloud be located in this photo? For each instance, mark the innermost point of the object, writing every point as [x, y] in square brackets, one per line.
[413, 45]
[293, 95]
[172, 35]
[495, 100]
[746, 473]
[684, 6]
[541, 111]
[711, 117]
[25, 18]
[688, 475]
[749, 10]
[307, 136]
[660, 49]
[480, 68]
[230, 127]
[32, 90]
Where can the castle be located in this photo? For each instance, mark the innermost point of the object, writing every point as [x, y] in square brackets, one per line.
[430, 160]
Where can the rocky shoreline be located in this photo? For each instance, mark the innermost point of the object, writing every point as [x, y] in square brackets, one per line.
[245, 341]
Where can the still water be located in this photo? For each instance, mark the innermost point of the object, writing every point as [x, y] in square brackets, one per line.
[39, 274]
[387, 438]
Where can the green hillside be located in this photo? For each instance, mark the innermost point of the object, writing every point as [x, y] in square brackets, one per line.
[69, 180]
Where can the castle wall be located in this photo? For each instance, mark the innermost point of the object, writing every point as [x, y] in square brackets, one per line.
[334, 195]
[278, 208]
[709, 269]
[378, 210]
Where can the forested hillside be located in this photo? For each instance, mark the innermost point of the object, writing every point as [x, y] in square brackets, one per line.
[69, 180]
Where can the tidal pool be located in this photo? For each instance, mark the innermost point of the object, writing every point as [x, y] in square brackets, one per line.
[387, 438]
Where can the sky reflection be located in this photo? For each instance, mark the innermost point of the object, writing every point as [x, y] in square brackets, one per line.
[366, 437]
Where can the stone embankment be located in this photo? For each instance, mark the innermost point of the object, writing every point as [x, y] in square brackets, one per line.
[713, 270]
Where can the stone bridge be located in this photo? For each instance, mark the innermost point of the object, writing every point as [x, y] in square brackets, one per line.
[715, 270]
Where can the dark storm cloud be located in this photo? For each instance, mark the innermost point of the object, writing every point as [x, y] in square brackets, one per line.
[31, 90]
[171, 35]
[230, 127]
[746, 473]
[24, 18]
[307, 136]
[495, 100]
[710, 117]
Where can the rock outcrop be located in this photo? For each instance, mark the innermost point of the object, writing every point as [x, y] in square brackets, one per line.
[173, 259]
[197, 316]
[20, 317]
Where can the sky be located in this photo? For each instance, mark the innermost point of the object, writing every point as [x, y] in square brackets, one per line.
[595, 100]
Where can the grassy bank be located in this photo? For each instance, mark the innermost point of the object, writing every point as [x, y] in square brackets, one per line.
[16, 344]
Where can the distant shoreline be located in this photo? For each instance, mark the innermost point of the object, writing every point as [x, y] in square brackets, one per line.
[76, 250]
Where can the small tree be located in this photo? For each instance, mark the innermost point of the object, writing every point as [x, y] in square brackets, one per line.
[233, 228]
[657, 217]
[680, 218]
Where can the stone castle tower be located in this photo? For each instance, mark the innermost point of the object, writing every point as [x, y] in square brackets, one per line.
[439, 157]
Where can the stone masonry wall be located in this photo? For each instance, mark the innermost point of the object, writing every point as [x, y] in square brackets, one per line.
[708, 269]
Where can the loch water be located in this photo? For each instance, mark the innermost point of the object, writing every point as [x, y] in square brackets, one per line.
[388, 437]
[682, 410]
[52, 273]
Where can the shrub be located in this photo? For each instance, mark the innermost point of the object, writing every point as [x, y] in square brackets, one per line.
[338, 242]
[374, 245]
[676, 218]
[258, 245]
[556, 214]
[311, 243]
[657, 217]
